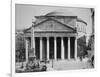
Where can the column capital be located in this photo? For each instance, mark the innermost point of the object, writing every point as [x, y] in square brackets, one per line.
[40, 38]
[26, 38]
[69, 38]
[76, 37]
[55, 38]
[48, 38]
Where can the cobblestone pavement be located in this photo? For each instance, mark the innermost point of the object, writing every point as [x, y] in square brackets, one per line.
[68, 65]
[64, 65]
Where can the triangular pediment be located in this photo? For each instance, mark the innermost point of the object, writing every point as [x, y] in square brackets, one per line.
[52, 25]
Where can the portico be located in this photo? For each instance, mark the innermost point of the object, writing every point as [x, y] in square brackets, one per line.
[54, 48]
[52, 39]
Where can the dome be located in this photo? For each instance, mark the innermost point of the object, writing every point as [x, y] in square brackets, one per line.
[60, 13]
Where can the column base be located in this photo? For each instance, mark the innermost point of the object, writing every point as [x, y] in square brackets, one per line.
[76, 58]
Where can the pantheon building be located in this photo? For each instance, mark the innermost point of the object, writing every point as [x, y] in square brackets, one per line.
[54, 36]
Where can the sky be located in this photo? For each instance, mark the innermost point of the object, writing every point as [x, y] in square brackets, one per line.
[24, 14]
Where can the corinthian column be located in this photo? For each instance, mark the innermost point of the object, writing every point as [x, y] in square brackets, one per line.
[76, 48]
[40, 48]
[62, 48]
[68, 47]
[26, 44]
[55, 48]
[47, 48]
